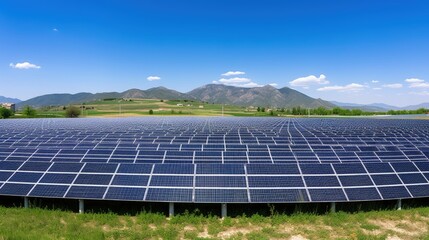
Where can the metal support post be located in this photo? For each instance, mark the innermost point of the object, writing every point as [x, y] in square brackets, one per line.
[171, 209]
[81, 206]
[26, 202]
[399, 204]
[224, 210]
[333, 207]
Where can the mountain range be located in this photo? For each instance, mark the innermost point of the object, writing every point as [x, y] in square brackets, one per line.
[214, 93]
[379, 107]
[267, 96]
[9, 100]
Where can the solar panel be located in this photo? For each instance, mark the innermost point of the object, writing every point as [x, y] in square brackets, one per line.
[215, 159]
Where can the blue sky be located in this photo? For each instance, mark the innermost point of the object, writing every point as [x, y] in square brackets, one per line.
[350, 51]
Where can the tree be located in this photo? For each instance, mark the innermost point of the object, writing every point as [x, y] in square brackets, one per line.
[72, 112]
[150, 111]
[263, 109]
[29, 111]
[5, 113]
[258, 109]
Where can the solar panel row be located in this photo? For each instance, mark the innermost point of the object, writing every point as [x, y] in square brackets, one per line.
[215, 159]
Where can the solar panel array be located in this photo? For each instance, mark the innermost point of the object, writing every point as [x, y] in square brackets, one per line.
[210, 160]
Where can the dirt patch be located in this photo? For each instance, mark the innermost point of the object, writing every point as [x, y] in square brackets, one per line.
[404, 227]
[152, 226]
[189, 228]
[234, 231]
[298, 237]
[204, 234]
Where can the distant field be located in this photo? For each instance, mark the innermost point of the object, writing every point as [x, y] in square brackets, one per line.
[141, 107]
[35, 223]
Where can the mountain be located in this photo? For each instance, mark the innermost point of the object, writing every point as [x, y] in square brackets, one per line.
[379, 107]
[413, 107]
[266, 96]
[257, 96]
[9, 100]
[65, 98]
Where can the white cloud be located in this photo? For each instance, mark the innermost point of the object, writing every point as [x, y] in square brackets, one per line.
[305, 81]
[234, 80]
[377, 88]
[55, 29]
[414, 80]
[417, 83]
[353, 87]
[375, 81]
[273, 84]
[237, 82]
[233, 73]
[393, 85]
[153, 78]
[24, 65]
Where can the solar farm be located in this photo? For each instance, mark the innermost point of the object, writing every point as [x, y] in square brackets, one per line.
[215, 160]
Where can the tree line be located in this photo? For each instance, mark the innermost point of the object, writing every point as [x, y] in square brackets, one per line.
[322, 111]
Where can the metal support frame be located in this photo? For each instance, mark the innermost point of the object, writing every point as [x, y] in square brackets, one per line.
[171, 209]
[399, 204]
[81, 206]
[224, 211]
[26, 202]
[333, 207]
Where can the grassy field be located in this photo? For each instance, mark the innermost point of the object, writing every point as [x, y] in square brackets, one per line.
[141, 107]
[36, 223]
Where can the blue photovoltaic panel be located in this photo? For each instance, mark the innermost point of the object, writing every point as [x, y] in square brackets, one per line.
[35, 166]
[58, 178]
[169, 195]
[410, 178]
[86, 192]
[278, 195]
[221, 195]
[93, 179]
[315, 168]
[272, 169]
[125, 193]
[321, 181]
[386, 179]
[394, 192]
[220, 169]
[15, 189]
[220, 181]
[417, 190]
[350, 168]
[173, 169]
[57, 191]
[172, 181]
[9, 165]
[5, 175]
[100, 168]
[275, 181]
[404, 167]
[356, 194]
[355, 180]
[130, 180]
[135, 168]
[379, 167]
[66, 167]
[25, 177]
[325, 195]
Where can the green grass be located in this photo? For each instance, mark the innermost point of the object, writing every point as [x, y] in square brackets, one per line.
[36, 223]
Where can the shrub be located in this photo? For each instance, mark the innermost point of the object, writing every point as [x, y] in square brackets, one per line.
[29, 111]
[72, 112]
[151, 112]
[5, 113]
